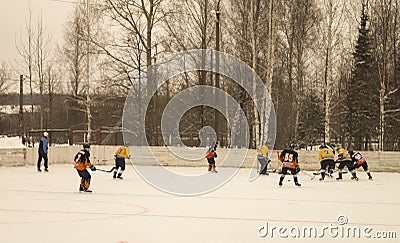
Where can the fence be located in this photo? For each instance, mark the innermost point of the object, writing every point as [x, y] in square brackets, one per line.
[103, 155]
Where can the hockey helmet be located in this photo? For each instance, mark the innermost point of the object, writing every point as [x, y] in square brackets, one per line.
[46, 134]
[86, 146]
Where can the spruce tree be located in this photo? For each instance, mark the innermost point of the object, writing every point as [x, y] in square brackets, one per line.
[363, 91]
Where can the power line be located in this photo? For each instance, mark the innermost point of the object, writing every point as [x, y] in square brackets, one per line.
[64, 1]
[75, 2]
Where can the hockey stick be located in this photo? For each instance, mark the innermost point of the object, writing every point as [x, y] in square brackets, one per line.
[315, 174]
[307, 174]
[102, 160]
[108, 171]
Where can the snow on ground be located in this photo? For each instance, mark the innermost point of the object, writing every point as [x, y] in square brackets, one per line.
[11, 142]
[46, 207]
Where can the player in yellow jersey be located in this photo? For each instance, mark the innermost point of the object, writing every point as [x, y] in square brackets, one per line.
[326, 159]
[344, 160]
[262, 157]
[120, 155]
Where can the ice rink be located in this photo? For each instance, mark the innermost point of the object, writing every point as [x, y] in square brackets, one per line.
[47, 207]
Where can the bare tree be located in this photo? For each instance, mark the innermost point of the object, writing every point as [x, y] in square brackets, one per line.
[53, 77]
[42, 50]
[74, 52]
[138, 20]
[298, 24]
[26, 51]
[385, 16]
[331, 26]
[83, 57]
[190, 25]
[4, 78]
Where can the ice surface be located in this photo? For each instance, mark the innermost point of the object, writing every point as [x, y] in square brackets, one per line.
[46, 207]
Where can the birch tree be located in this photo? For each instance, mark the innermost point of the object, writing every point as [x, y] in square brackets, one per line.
[83, 57]
[385, 16]
[42, 51]
[332, 11]
[190, 25]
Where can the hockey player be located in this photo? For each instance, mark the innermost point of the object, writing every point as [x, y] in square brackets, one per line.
[359, 161]
[290, 162]
[120, 155]
[43, 151]
[344, 160]
[82, 160]
[262, 157]
[327, 160]
[210, 155]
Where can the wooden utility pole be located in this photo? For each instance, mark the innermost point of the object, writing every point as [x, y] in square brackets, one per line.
[88, 111]
[21, 104]
[217, 76]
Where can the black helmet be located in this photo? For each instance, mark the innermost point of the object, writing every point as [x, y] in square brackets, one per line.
[292, 146]
[86, 145]
[351, 152]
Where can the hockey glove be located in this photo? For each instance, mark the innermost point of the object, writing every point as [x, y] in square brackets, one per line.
[92, 168]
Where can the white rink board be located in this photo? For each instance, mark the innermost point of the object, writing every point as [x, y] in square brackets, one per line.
[39, 207]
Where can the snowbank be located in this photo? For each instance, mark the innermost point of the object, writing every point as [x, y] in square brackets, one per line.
[11, 142]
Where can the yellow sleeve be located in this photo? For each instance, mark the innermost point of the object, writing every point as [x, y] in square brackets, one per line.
[117, 151]
[263, 151]
[124, 152]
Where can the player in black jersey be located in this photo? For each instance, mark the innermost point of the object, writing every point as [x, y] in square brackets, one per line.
[290, 162]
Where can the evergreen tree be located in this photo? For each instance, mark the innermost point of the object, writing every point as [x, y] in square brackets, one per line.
[363, 91]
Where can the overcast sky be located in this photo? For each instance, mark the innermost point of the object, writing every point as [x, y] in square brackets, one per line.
[14, 15]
